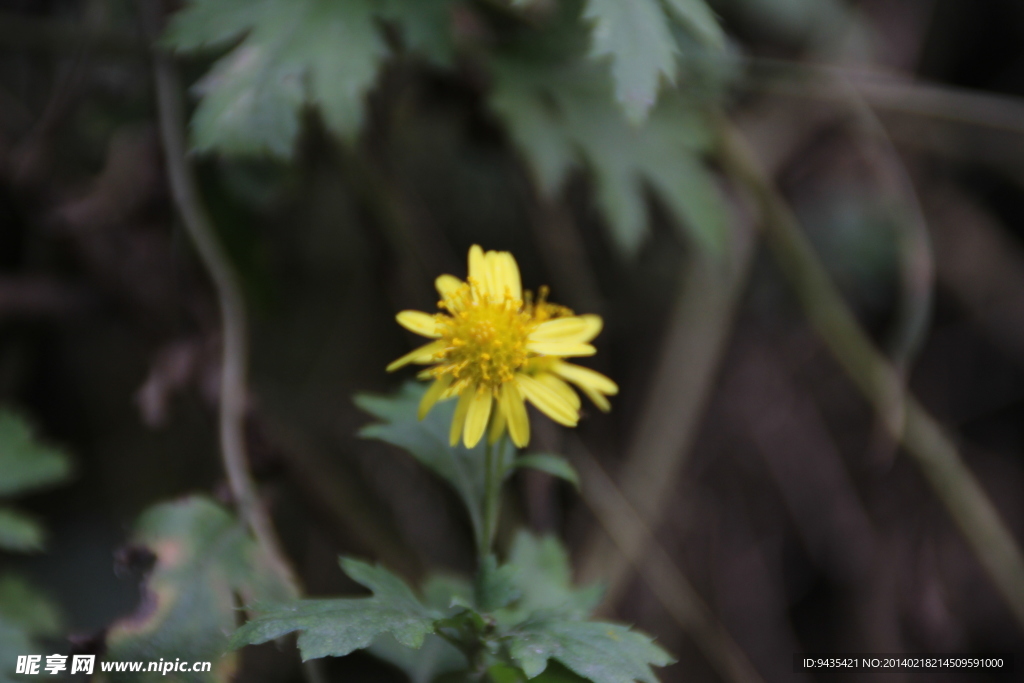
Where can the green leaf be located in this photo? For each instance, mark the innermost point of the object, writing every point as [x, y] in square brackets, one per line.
[636, 36]
[601, 652]
[14, 641]
[19, 532]
[25, 463]
[552, 464]
[545, 578]
[337, 627]
[696, 16]
[555, 673]
[295, 52]
[425, 25]
[204, 559]
[496, 587]
[427, 441]
[24, 606]
[564, 116]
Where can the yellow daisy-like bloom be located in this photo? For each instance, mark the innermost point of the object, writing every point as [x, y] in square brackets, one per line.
[496, 347]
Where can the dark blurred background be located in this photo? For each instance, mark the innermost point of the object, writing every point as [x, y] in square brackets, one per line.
[799, 522]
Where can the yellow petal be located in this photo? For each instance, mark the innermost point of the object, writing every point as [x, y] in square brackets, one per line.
[598, 398]
[552, 348]
[423, 355]
[510, 278]
[419, 322]
[459, 420]
[560, 388]
[549, 402]
[577, 328]
[433, 394]
[447, 285]
[476, 418]
[514, 411]
[585, 378]
[497, 425]
[476, 264]
[493, 284]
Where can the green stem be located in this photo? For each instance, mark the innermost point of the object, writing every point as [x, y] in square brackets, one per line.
[492, 494]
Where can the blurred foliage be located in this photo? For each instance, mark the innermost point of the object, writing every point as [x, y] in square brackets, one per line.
[26, 464]
[204, 564]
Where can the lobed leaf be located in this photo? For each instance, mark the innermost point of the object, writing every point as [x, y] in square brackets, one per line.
[636, 36]
[544, 578]
[337, 627]
[563, 116]
[598, 651]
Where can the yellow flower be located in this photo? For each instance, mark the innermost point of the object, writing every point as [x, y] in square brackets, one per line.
[496, 347]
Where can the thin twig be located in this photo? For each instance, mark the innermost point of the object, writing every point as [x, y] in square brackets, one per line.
[624, 526]
[918, 432]
[234, 362]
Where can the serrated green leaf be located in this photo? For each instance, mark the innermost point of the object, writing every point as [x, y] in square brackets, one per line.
[636, 36]
[552, 464]
[427, 441]
[295, 52]
[601, 652]
[204, 559]
[19, 532]
[496, 586]
[25, 463]
[545, 578]
[337, 627]
[562, 116]
[699, 19]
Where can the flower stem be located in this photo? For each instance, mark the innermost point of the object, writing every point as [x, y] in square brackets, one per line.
[492, 498]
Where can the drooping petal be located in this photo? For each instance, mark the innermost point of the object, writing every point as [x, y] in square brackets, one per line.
[433, 394]
[548, 401]
[575, 329]
[447, 285]
[560, 388]
[599, 400]
[514, 410]
[419, 322]
[552, 348]
[477, 416]
[498, 422]
[423, 355]
[585, 377]
[459, 420]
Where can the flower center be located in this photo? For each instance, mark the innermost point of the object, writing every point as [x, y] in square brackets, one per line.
[486, 340]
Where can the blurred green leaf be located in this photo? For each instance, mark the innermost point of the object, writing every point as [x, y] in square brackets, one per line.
[294, 52]
[552, 464]
[25, 614]
[19, 532]
[598, 651]
[544, 578]
[204, 559]
[25, 463]
[425, 26]
[435, 658]
[636, 36]
[335, 628]
[699, 19]
[555, 673]
[496, 586]
[427, 441]
[561, 116]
